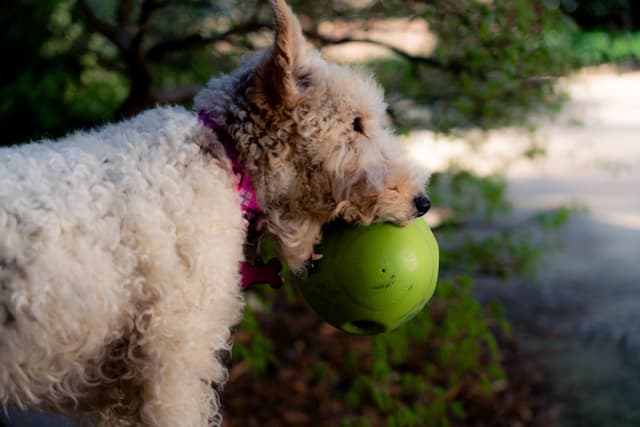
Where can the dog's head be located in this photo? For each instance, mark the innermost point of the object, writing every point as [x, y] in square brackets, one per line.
[313, 136]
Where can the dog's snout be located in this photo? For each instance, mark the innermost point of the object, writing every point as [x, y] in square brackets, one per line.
[422, 204]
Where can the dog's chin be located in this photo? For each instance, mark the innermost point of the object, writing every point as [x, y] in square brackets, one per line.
[405, 222]
[401, 221]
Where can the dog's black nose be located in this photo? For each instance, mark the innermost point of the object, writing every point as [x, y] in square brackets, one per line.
[422, 204]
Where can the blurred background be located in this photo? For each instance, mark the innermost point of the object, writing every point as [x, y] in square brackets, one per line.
[527, 112]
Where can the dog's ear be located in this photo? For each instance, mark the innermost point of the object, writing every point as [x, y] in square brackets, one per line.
[276, 77]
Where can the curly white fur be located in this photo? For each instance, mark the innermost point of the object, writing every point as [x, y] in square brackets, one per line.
[110, 243]
[120, 247]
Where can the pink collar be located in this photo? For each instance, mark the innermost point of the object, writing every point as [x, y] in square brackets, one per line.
[251, 274]
[249, 202]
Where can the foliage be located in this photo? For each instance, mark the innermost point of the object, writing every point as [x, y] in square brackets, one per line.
[422, 373]
[475, 238]
[51, 84]
[494, 65]
[91, 61]
[598, 47]
[614, 15]
[257, 351]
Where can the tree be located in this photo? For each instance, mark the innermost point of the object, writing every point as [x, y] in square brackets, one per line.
[112, 59]
[30, 81]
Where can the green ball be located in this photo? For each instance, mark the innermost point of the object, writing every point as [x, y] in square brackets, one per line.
[372, 279]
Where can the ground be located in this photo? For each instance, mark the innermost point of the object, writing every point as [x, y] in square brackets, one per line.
[300, 393]
[580, 314]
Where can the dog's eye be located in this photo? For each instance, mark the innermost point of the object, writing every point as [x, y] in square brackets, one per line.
[357, 125]
[304, 81]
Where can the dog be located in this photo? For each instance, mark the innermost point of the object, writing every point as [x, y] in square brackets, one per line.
[121, 247]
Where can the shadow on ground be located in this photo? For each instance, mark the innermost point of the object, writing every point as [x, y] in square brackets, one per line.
[581, 318]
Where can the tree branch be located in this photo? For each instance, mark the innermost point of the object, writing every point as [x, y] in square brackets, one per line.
[109, 64]
[176, 95]
[194, 41]
[426, 60]
[123, 13]
[109, 31]
[196, 4]
[148, 8]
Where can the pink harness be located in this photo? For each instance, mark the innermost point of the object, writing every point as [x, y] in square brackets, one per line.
[251, 274]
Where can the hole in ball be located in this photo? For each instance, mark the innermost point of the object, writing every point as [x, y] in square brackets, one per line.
[364, 327]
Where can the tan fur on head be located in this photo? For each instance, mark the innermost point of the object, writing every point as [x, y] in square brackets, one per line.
[312, 135]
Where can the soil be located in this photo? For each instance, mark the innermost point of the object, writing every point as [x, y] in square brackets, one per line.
[292, 394]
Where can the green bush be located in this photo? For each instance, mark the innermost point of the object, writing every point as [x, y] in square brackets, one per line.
[599, 47]
[495, 64]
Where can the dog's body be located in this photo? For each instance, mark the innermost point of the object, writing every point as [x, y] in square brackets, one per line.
[120, 248]
[117, 268]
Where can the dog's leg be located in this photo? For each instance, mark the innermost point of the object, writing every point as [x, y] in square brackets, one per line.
[179, 377]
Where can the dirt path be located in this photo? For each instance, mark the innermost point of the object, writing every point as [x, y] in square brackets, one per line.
[586, 300]
[581, 314]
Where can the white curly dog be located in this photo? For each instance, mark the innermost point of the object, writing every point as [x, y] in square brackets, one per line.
[120, 248]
